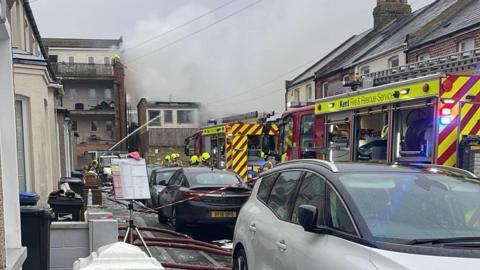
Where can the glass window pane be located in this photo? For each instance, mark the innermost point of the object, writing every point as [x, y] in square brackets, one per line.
[93, 126]
[184, 117]
[19, 122]
[72, 93]
[106, 60]
[92, 93]
[108, 93]
[91, 60]
[338, 218]
[265, 187]
[151, 115]
[71, 60]
[312, 192]
[168, 116]
[306, 131]
[109, 125]
[282, 191]
[74, 125]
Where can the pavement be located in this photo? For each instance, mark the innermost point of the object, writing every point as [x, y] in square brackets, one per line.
[220, 235]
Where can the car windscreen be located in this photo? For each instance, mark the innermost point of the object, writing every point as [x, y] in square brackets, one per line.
[401, 207]
[212, 178]
[163, 176]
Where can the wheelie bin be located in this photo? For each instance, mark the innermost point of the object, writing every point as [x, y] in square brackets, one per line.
[76, 184]
[29, 198]
[35, 226]
[66, 208]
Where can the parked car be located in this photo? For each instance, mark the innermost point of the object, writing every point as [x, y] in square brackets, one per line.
[209, 204]
[158, 179]
[312, 214]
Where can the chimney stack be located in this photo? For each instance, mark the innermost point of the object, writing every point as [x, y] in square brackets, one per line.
[389, 10]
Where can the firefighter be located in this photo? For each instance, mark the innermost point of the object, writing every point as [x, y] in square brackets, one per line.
[167, 161]
[194, 161]
[269, 164]
[176, 162]
[205, 159]
[93, 166]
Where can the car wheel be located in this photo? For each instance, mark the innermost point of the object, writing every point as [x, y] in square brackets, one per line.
[240, 260]
[178, 225]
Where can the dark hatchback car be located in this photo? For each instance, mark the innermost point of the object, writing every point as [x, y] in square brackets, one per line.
[205, 203]
[157, 180]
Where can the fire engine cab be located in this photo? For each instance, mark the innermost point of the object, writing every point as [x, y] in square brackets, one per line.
[421, 120]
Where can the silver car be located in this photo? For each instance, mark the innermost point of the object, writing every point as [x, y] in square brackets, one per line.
[312, 214]
[158, 179]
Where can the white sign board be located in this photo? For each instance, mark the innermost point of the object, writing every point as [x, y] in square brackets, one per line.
[130, 180]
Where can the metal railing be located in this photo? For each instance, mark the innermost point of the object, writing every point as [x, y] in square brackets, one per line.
[82, 69]
[456, 62]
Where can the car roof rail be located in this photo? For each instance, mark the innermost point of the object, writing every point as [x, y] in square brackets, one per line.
[445, 168]
[326, 164]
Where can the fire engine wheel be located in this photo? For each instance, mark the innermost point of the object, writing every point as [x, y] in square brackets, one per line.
[240, 260]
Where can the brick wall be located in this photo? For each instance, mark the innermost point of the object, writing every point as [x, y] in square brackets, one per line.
[121, 106]
[155, 155]
[442, 47]
[334, 83]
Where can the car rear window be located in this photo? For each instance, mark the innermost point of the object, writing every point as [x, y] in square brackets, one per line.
[213, 178]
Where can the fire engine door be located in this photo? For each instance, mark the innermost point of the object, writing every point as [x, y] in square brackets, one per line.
[217, 143]
[413, 132]
[338, 136]
[371, 134]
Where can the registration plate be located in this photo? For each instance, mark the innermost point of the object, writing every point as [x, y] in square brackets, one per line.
[223, 214]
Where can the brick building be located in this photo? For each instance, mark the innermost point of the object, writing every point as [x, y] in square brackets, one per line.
[440, 37]
[177, 121]
[94, 91]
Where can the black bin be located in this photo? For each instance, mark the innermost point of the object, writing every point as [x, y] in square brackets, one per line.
[76, 184]
[66, 208]
[35, 223]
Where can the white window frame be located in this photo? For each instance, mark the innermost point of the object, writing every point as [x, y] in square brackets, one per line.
[154, 124]
[192, 120]
[363, 69]
[464, 43]
[26, 140]
[73, 60]
[309, 90]
[70, 90]
[88, 60]
[90, 92]
[423, 57]
[106, 125]
[105, 93]
[107, 62]
[324, 89]
[391, 59]
[296, 95]
[165, 120]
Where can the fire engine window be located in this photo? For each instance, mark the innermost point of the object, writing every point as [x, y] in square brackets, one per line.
[338, 138]
[254, 147]
[371, 137]
[306, 131]
[413, 134]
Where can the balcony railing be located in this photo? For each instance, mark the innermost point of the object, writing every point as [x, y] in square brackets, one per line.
[82, 69]
[456, 62]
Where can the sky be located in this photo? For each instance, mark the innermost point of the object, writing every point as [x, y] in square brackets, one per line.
[232, 56]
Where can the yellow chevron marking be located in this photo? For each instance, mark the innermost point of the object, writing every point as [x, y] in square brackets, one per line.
[459, 83]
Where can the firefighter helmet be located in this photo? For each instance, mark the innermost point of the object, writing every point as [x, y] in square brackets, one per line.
[205, 156]
[194, 160]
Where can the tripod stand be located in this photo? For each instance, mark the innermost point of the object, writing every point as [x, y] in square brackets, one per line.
[131, 228]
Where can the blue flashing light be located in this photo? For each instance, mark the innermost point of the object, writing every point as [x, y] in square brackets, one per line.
[446, 120]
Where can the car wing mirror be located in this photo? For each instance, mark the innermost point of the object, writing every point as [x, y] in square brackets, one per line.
[307, 217]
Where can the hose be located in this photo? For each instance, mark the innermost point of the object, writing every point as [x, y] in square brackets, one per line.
[192, 267]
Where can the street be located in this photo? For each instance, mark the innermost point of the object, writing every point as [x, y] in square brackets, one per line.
[183, 256]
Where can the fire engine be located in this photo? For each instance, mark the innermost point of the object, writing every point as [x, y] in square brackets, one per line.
[239, 146]
[432, 119]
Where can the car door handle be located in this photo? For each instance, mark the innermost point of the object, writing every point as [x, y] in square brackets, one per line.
[281, 245]
[252, 228]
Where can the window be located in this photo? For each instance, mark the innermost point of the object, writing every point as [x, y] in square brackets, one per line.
[394, 62]
[91, 60]
[108, 93]
[109, 125]
[338, 217]
[306, 131]
[423, 57]
[168, 116]
[106, 60]
[152, 114]
[92, 93]
[53, 58]
[79, 106]
[184, 117]
[325, 89]
[265, 187]
[297, 94]
[71, 60]
[466, 45]
[72, 93]
[74, 125]
[364, 71]
[309, 92]
[312, 192]
[282, 191]
[93, 126]
[23, 143]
